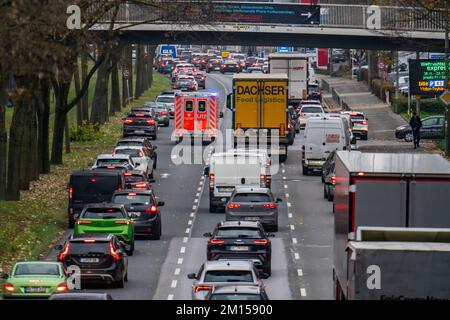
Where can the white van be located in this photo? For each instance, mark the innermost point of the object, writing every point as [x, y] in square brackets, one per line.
[226, 171]
[322, 136]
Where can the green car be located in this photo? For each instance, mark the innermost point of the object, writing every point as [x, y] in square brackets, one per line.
[34, 279]
[107, 218]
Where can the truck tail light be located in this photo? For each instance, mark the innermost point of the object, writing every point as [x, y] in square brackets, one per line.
[202, 288]
[64, 252]
[270, 206]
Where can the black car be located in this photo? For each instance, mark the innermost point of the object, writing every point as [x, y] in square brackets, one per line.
[141, 141]
[213, 65]
[201, 80]
[100, 257]
[144, 206]
[230, 66]
[240, 240]
[314, 92]
[328, 166]
[140, 123]
[136, 180]
[432, 128]
[91, 186]
[76, 295]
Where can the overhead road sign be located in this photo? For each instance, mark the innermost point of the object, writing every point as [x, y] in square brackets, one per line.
[267, 13]
[427, 77]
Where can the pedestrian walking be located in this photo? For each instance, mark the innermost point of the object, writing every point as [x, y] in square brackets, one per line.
[416, 124]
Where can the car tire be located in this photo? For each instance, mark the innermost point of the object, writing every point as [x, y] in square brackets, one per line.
[131, 251]
[155, 161]
[126, 277]
[305, 171]
[365, 137]
[158, 235]
[71, 223]
[325, 193]
[268, 270]
[330, 197]
[212, 208]
[151, 175]
[323, 179]
[119, 284]
[409, 137]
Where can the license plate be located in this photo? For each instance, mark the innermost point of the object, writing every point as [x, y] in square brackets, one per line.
[34, 290]
[89, 260]
[139, 132]
[252, 218]
[216, 68]
[239, 248]
[137, 214]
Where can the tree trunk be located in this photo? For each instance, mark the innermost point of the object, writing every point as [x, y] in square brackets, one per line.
[67, 135]
[139, 58]
[43, 115]
[3, 140]
[60, 122]
[115, 88]
[151, 56]
[84, 73]
[80, 106]
[33, 161]
[100, 101]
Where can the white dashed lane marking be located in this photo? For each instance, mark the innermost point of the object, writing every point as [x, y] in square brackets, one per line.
[170, 297]
[174, 284]
[303, 292]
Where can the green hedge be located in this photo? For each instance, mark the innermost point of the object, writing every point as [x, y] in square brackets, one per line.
[428, 105]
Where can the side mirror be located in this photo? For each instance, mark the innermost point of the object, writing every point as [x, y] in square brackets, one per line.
[207, 235]
[4, 276]
[263, 275]
[221, 115]
[151, 180]
[270, 235]
[58, 247]
[279, 200]
[206, 171]
[155, 147]
[161, 203]
[192, 276]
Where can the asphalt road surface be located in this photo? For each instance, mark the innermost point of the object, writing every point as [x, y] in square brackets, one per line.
[302, 249]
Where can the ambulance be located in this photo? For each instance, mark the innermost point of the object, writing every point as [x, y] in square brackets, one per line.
[196, 116]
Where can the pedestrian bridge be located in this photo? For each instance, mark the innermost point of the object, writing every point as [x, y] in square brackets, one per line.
[282, 24]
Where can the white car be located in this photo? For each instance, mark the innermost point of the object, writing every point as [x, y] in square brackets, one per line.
[143, 162]
[169, 101]
[111, 161]
[307, 111]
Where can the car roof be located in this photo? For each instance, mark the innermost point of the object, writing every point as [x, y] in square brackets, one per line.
[242, 189]
[136, 139]
[244, 265]
[90, 173]
[39, 262]
[91, 236]
[247, 224]
[129, 147]
[242, 289]
[113, 156]
[312, 105]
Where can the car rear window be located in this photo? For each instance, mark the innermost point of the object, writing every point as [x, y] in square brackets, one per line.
[251, 197]
[80, 248]
[94, 185]
[36, 269]
[238, 233]
[228, 276]
[238, 296]
[134, 178]
[106, 162]
[165, 99]
[103, 214]
[129, 143]
[357, 117]
[133, 199]
[311, 110]
[132, 152]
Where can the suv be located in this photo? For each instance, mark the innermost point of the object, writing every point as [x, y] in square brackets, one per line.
[360, 124]
[100, 257]
[169, 101]
[240, 241]
[87, 186]
[107, 218]
[141, 141]
[144, 207]
[140, 123]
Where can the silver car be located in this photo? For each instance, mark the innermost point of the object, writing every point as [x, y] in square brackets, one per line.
[224, 272]
[253, 204]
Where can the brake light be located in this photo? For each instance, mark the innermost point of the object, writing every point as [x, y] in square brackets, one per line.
[62, 287]
[233, 206]
[263, 242]
[202, 288]
[361, 174]
[82, 222]
[89, 241]
[114, 253]
[303, 114]
[270, 206]
[333, 180]
[132, 194]
[216, 241]
[8, 287]
[164, 113]
[128, 174]
[141, 154]
[290, 126]
[64, 252]
[150, 121]
[125, 222]
[70, 192]
[212, 178]
[365, 122]
[268, 163]
[128, 121]
[141, 185]
[152, 210]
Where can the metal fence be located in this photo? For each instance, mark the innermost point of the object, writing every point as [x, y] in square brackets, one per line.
[337, 16]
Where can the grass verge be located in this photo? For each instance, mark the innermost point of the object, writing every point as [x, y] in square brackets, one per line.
[30, 227]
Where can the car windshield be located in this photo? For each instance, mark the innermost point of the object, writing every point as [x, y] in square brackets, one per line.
[228, 276]
[24, 269]
[83, 248]
[251, 197]
[103, 214]
[133, 199]
[132, 152]
[165, 99]
[252, 233]
[312, 110]
[107, 162]
[235, 296]
[185, 83]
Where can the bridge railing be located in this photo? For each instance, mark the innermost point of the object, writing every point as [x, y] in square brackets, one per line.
[337, 16]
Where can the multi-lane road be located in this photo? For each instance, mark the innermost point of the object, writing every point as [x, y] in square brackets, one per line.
[302, 249]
